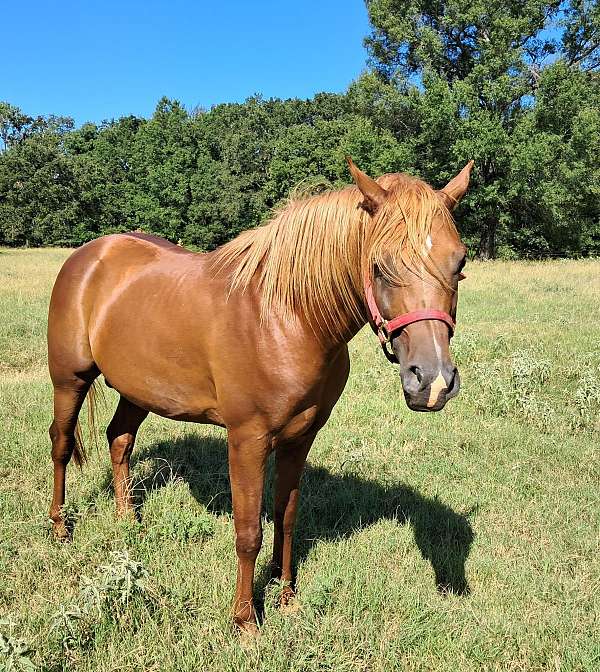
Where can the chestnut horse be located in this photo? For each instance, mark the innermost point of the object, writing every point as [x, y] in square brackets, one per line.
[253, 337]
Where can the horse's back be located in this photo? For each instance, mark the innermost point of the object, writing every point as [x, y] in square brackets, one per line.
[111, 257]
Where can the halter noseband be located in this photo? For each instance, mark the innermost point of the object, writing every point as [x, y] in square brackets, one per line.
[385, 329]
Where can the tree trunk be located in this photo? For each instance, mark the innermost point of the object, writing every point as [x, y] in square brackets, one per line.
[487, 242]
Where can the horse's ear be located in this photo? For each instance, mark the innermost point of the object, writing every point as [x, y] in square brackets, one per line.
[457, 187]
[374, 193]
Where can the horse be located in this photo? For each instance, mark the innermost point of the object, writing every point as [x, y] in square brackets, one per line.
[253, 337]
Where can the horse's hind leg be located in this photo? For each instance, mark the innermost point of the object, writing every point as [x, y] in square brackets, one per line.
[289, 464]
[67, 404]
[121, 438]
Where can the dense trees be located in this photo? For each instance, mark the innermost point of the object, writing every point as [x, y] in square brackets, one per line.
[492, 73]
[511, 84]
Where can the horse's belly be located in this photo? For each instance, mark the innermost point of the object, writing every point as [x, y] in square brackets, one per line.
[163, 392]
[152, 364]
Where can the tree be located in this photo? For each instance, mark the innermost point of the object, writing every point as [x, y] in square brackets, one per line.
[13, 125]
[477, 68]
[102, 160]
[38, 194]
[581, 36]
[162, 157]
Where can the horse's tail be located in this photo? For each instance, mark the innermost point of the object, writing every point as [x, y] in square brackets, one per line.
[79, 452]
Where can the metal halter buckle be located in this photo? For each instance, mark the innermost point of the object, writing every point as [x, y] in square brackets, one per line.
[383, 333]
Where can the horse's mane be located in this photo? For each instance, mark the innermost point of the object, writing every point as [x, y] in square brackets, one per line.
[312, 257]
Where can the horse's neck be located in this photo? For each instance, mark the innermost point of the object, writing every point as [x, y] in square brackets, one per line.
[341, 316]
[347, 322]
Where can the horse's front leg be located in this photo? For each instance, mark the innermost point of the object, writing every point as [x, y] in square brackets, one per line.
[247, 458]
[289, 463]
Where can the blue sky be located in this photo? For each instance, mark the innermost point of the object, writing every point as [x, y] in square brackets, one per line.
[98, 60]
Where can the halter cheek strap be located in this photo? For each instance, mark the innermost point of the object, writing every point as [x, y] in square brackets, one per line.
[385, 329]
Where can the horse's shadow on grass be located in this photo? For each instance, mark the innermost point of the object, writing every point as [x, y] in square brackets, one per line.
[332, 506]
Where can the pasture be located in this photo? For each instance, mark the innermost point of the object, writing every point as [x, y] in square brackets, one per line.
[464, 540]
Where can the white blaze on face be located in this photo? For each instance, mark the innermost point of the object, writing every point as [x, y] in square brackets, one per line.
[438, 385]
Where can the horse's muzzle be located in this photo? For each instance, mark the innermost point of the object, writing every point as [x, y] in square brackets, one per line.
[429, 389]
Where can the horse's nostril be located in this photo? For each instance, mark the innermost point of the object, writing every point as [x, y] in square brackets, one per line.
[417, 373]
[454, 384]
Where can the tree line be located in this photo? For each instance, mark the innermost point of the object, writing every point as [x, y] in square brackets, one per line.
[512, 84]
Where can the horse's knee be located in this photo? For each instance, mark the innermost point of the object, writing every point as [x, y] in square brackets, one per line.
[248, 541]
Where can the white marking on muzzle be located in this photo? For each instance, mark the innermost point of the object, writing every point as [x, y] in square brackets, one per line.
[437, 386]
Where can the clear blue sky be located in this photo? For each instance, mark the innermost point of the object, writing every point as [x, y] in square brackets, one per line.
[97, 60]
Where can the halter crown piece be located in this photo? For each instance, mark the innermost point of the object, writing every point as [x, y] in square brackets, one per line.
[385, 329]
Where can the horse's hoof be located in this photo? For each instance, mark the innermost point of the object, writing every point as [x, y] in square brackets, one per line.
[248, 632]
[288, 604]
[60, 531]
[287, 595]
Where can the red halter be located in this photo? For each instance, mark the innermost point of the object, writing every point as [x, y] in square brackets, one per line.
[385, 329]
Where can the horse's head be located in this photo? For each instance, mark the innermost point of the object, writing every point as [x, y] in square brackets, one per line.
[413, 264]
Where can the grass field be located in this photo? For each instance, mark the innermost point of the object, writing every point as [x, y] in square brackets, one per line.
[464, 540]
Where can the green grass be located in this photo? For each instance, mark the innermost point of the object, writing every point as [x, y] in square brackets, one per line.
[464, 540]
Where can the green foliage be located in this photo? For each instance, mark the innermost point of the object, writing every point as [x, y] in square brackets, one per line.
[587, 400]
[501, 84]
[514, 387]
[322, 593]
[512, 85]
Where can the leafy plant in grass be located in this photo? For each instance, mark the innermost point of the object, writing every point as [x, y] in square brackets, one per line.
[322, 593]
[107, 596]
[74, 626]
[15, 653]
[116, 584]
[587, 401]
[464, 348]
[515, 386]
